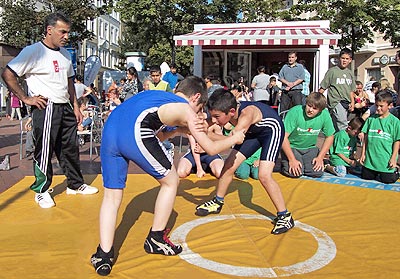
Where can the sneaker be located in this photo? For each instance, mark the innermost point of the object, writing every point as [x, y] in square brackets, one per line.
[102, 261]
[283, 223]
[5, 165]
[159, 243]
[211, 207]
[84, 189]
[171, 150]
[44, 199]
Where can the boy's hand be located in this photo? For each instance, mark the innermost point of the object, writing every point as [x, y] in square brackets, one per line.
[200, 173]
[239, 136]
[318, 164]
[392, 163]
[295, 167]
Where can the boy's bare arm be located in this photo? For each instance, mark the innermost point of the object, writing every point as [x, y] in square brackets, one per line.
[393, 161]
[250, 115]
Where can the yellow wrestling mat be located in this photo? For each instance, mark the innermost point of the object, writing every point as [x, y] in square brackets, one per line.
[341, 232]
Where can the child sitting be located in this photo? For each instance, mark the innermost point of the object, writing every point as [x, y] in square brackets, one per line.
[343, 148]
[303, 124]
[86, 121]
[249, 168]
[381, 142]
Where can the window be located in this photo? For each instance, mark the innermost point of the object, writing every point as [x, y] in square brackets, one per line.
[101, 31]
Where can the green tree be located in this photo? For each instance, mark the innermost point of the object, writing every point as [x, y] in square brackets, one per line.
[22, 21]
[151, 25]
[262, 10]
[355, 20]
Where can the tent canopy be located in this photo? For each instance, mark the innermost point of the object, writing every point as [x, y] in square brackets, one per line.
[309, 33]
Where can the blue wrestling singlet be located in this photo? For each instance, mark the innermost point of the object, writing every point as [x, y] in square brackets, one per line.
[130, 135]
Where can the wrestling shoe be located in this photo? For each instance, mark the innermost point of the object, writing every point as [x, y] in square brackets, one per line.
[102, 261]
[159, 243]
[44, 199]
[282, 223]
[211, 207]
[84, 189]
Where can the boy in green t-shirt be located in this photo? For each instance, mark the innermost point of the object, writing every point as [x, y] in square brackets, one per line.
[343, 148]
[381, 142]
[249, 168]
[303, 124]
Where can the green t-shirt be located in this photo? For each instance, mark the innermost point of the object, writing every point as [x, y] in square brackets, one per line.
[342, 144]
[303, 130]
[339, 82]
[381, 134]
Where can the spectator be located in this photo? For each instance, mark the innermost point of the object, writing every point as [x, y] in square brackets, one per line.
[292, 77]
[15, 106]
[49, 75]
[249, 168]
[212, 84]
[381, 142]
[80, 88]
[259, 85]
[197, 161]
[29, 143]
[157, 83]
[339, 80]
[306, 83]
[132, 86]
[343, 149]
[171, 76]
[303, 124]
[274, 92]
[372, 109]
[360, 99]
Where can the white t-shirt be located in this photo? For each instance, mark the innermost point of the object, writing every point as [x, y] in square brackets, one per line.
[46, 71]
[80, 89]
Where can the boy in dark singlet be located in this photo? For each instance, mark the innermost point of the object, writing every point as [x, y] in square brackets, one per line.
[264, 128]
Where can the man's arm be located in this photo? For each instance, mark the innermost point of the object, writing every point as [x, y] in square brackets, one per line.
[13, 85]
[73, 100]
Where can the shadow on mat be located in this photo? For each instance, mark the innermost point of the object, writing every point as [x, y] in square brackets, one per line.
[244, 189]
[143, 202]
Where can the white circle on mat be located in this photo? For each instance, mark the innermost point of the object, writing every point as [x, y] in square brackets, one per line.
[325, 253]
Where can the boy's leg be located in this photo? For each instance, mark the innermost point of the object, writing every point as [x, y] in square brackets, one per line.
[254, 172]
[389, 178]
[157, 241]
[214, 206]
[184, 167]
[108, 217]
[243, 171]
[216, 166]
[339, 117]
[368, 174]
[284, 221]
[308, 156]
[285, 163]
[165, 200]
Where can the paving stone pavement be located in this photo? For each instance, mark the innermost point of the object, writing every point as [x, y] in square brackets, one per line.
[10, 134]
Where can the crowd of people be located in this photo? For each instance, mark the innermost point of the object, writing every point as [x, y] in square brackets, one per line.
[276, 116]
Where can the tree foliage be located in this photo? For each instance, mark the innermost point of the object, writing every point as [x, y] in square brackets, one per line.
[355, 20]
[262, 10]
[151, 25]
[22, 21]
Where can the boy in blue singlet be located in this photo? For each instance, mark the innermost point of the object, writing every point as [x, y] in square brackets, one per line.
[264, 128]
[134, 132]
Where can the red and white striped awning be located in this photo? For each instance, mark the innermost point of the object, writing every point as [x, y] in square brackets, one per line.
[310, 35]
